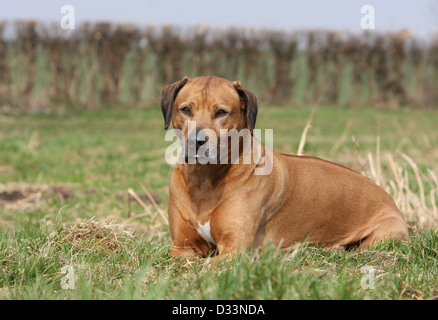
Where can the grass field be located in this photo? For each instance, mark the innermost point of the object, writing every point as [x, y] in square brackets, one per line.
[70, 230]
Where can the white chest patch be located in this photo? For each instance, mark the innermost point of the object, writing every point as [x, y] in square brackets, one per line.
[204, 231]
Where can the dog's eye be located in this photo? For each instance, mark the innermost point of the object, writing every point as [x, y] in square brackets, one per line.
[186, 111]
[221, 113]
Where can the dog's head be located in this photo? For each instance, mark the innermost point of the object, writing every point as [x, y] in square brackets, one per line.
[202, 106]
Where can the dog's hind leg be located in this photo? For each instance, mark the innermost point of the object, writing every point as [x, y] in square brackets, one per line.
[390, 228]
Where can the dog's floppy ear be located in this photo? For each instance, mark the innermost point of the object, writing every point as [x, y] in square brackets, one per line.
[168, 98]
[250, 101]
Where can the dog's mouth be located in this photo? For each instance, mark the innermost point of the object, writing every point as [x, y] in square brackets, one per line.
[201, 146]
[201, 154]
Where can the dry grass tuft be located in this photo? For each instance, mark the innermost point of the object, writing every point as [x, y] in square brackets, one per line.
[414, 191]
[95, 235]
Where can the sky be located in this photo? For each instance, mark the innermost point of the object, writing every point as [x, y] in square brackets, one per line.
[420, 16]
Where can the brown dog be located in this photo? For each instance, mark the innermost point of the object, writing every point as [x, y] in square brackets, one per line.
[218, 208]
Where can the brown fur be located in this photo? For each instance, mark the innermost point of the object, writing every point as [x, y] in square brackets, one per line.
[302, 199]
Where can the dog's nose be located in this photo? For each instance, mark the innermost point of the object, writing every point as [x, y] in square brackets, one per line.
[200, 141]
[197, 138]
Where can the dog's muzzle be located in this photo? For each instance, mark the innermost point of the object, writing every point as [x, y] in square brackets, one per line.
[200, 148]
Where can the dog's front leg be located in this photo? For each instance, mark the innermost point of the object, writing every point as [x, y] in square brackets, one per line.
[231, 237]
[185, 238]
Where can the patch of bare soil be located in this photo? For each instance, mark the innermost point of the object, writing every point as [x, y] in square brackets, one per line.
[24, 196]
[11, 196]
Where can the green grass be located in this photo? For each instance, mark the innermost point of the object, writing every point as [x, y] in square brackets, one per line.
[144, 270]
[124, 253]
